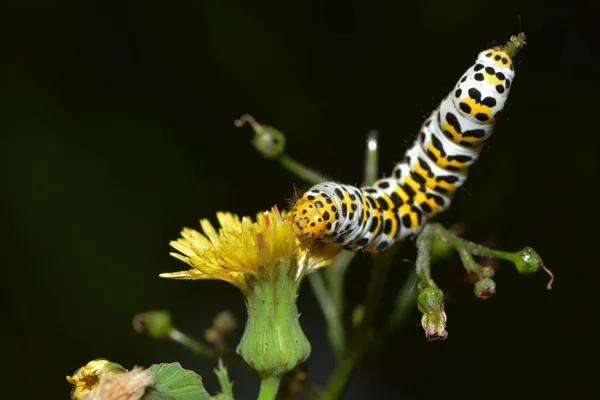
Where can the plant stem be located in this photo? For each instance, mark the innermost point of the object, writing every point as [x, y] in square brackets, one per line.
[362, 334]
[405, 301]
[269, 385]
[380, 269]
[300, 170]
[424, 241]
[224, 382]
[341, 373]
[469, 263]
[371, 158]
[202, 350]
[334, 274]
[335, 330]
[470, 247]
[194, 346]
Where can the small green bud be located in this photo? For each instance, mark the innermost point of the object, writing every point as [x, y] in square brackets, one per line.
[431, 304]
[157, 323]
[485, 288]
[529, 261]
[269, 142]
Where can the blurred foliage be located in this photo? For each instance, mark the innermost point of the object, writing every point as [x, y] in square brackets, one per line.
[116, 129]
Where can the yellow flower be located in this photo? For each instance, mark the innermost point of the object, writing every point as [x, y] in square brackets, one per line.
[266, 260]
[87, 378]
[242, 249]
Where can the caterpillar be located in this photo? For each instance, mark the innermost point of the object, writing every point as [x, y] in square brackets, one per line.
[372, 218]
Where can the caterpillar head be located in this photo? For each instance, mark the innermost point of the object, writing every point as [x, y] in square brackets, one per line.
[308, 218]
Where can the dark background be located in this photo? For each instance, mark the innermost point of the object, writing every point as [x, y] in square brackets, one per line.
[116, 129]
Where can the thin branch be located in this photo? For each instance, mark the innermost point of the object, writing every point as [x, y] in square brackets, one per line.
[335, 329]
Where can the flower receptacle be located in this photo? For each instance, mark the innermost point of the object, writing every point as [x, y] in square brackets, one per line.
[274, 342]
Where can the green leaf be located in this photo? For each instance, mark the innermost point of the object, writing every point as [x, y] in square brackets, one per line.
[173, 382]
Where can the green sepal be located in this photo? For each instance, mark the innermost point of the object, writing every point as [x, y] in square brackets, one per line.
[113, 368]
[273, 342]
[173, 382]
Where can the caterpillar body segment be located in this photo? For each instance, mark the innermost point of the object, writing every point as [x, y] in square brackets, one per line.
[373, 217]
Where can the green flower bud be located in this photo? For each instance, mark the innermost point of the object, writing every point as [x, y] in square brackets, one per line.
[273, 342]
[269, 141]
[431, 304]
[529, 261]
[157, 323]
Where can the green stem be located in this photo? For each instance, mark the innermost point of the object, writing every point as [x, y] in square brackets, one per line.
[194, 346]
[361, 337]
[300, 170]
[469, 263]
[335, 278]
[424, 241]
[526, 260]
[380, 268]
[485, 251]
[341, 373]
[203, 350]
[269, 385]
[224, 382]
[470, 247]
[371, 158]
[405, 301]
[335, 330]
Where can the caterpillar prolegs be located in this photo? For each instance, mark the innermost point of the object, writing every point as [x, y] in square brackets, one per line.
[372, 218]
